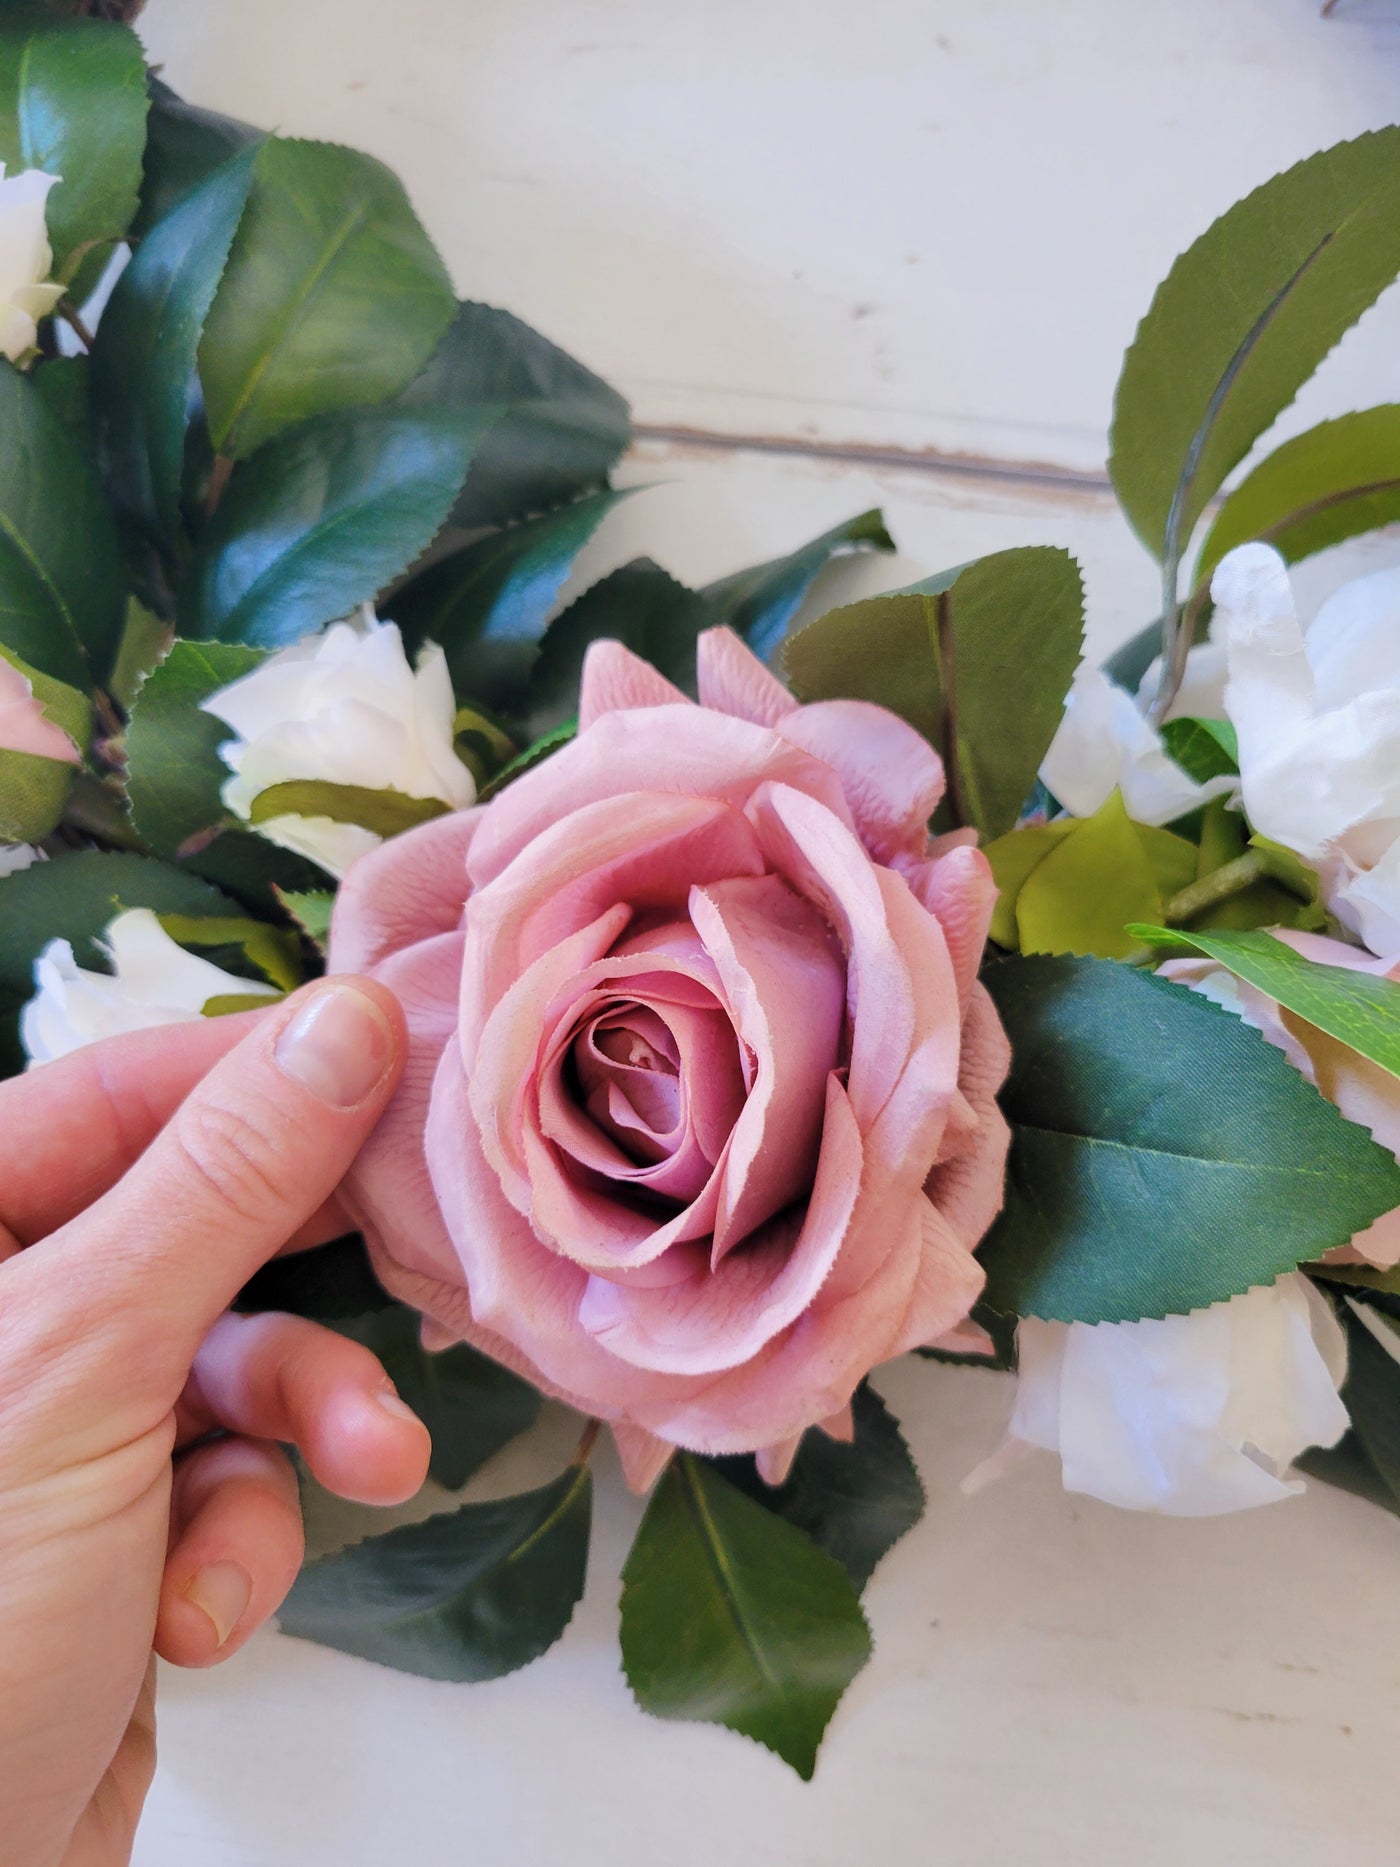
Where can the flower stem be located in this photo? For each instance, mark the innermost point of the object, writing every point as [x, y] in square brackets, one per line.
[71, 316]
[583, 1451]
[1231, 879]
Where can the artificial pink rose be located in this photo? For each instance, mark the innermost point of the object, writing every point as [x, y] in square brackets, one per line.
[699, 1122]
[1362, 1090]
[24, 725]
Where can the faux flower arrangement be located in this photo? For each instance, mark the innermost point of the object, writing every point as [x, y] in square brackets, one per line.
[781, 1001]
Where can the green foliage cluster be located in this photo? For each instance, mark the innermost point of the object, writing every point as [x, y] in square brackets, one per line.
[284, 411]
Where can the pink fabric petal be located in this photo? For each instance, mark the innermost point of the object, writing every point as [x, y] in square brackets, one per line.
[783, 976]
[615, 680]
[732, 679]
[24, 725]
[948, 1283]
[840, 1425]
[891, 775]
[682, 751]
[410, 888]
[775, 1462]
[722, 1317]
[957, 887]
[644, 1457]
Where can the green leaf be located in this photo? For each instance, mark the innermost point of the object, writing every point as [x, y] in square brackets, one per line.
[471, 1405]
[1204, 749]
[76, 896]
[184, 145]
[534, 754]
[1241, 321]
[33, 792]
[1357, 1008]
[329, 514]
[1080, 896]
[1013, 858]
[333, 296]
[1367, 1459]
[311, 910]
[144, 355]
[73, 103]
[732, 1616]
[63, 384]
[760, 603]
[978, 659]
[1336, 481]
[562, 430]
[855, 1501]
[332, 1283]
[175, 775]
[640, 605]
[1163, 1156]
[62, 593]
[271, 951]
[387, 812]
[471, 1594]
[487, 605]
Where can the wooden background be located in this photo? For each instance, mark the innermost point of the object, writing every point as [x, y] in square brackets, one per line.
[840, 256]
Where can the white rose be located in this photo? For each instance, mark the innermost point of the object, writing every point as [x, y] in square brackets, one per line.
[1318, 719]
[154, 981]
[26, 259]
[1106, 743]
[1191, 1415]
[344, 707]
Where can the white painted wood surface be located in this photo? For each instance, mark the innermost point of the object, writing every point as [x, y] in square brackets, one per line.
[909, 225]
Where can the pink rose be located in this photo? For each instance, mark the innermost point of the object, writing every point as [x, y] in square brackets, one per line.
[1362, 1090]
[24, 725]
[699, 1121]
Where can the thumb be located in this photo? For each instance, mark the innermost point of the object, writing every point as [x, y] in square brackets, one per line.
[258, 1145]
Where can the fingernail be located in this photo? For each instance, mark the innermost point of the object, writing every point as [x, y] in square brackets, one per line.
[338, 1046]
[222, 1591]
[395, 1407]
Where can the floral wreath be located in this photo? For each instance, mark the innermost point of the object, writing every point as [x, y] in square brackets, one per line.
[781, 999]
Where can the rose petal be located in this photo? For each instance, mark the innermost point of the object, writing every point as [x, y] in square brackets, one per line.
[410, 888]
[615, 680]
[733, 680]
[891, 775]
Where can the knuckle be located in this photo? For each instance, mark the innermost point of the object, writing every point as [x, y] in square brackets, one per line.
[237, 1158]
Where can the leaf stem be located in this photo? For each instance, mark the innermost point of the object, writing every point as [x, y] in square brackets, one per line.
[583, 1451]
[1231, 879]
[947, 674]
[218, 481]
[72, 317]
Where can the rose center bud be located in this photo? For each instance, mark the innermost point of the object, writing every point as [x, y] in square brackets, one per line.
[627, 1063]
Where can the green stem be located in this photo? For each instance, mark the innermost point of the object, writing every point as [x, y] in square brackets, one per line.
[1231, 879]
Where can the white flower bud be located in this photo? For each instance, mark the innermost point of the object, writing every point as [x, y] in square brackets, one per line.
[26, 260]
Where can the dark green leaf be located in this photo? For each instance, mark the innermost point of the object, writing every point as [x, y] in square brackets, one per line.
[1367, 1460]
[184, 145]
[386, 812]
[1127, 665]
[329, 514]
[470, 1404]
[1332, 483]
[472, 1594]
[978, 659]
[562, 430]
[640, 605]
[148, 340]
[1164, 1156]
[62, 594]
[1357, 1008]
[73, 103]
[488, 604]
[1204, 749]
[63, 384]
[176, 773]
[855, 1501]
[333, 296]
[733, 1616]
[333, 1283]
[1241, 321]
[760, 603]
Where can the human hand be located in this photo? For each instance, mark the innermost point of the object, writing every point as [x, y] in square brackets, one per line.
[142, 1181]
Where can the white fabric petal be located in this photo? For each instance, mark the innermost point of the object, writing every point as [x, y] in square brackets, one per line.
[1190, 1415]
[25, 260]
[153, 981]
[1105, 744]
[343, 707]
